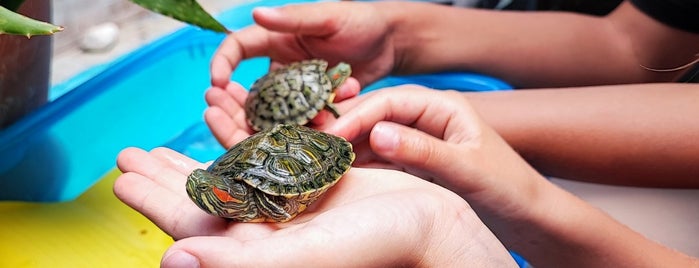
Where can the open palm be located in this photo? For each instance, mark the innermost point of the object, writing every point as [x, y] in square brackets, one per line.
[368, 212]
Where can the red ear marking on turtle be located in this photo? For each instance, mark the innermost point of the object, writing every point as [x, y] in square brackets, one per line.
[223, 195]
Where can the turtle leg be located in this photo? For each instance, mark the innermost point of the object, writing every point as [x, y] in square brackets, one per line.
[330, 107]
[272, 207]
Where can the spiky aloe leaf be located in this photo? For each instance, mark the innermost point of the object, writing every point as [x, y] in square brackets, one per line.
[188, 11]
[13, 23]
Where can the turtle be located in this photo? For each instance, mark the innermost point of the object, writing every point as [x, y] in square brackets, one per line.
[272, 175]
[294, 94]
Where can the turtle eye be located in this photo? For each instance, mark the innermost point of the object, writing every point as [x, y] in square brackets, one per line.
[203, 187]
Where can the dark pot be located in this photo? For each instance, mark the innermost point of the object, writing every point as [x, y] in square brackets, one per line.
[24, 67]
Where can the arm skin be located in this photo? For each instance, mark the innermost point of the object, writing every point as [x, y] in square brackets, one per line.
[527, 49]
[437, 135]
[544, 49]
[641, 135]
[644, 137]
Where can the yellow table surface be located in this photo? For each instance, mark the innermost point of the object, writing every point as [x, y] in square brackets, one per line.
[95, 230]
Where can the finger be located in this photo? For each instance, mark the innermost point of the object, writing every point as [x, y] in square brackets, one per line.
[303, 242]
[128, 159]
[157, 191]
[299, 31]
[298, 19]
[273, 65]
[421, 154]
[172, 212]
[162, 166]
[176, 161]
[226, 115]
[225, 130]
[389, 104]
[349, 89]
[142, 163]
[228, 252]
[158, 167]
[230, 98]
[442, 114]
[162, 197]
[244, 44]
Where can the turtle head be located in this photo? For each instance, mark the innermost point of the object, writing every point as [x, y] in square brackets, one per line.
[339, 74]
[217, 195]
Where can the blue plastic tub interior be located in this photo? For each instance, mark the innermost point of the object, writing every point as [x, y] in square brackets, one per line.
[151, 97]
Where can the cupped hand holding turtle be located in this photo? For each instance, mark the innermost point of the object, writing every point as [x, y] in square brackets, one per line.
[371, 217]
[225, 115]
[298, 32]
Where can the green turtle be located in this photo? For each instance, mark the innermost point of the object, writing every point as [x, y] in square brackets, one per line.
[294, 94]
[272, 175]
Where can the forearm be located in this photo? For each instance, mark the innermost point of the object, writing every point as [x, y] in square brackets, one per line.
[564, 231]
[551, 227]
[528, 49]
[633, 134]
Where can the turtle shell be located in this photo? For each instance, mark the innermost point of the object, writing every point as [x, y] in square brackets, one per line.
[293, 94]
[272, 175]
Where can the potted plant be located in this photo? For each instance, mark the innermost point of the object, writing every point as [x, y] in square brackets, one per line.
[25, 46]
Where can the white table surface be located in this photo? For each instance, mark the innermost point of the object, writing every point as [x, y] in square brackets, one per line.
[668, 216]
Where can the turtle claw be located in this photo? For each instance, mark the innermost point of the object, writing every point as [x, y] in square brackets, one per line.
[332, 109]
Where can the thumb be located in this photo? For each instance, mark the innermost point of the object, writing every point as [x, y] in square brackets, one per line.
[206, 251]
[298, 248]
[411, 148]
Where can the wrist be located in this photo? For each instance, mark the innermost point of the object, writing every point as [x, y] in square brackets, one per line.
[459, 237]
[410, 27]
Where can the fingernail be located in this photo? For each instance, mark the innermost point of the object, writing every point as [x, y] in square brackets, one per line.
[267, 11]
[179, 259]
[385, 138]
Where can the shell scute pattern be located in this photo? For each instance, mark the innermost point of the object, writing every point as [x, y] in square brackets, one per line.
[293, 94]
[280, 170]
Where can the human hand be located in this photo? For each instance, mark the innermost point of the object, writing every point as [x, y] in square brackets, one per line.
[370, 218]
[450, 145]
[225, 115]
[444, 121]
[437, 136]
[352, 32]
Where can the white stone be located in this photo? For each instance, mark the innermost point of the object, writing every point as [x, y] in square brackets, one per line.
[100, 38]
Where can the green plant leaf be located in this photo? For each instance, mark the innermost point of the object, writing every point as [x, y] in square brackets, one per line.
[188, 11]
[13, 23]
[11, 4]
